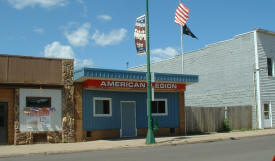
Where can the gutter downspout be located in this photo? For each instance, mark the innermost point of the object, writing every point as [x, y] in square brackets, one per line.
[257, 74]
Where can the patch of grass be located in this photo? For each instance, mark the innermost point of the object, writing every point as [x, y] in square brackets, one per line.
[226, 126]
[243, 130]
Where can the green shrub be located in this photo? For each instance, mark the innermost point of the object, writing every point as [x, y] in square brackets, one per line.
[226, 126]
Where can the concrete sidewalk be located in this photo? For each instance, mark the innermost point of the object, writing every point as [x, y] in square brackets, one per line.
[9, 151]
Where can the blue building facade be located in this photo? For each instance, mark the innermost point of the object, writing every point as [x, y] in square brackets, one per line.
[112, 103]
[90, 122]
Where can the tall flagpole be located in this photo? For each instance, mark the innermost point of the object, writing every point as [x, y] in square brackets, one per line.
[181, 40]
[150, 139]
[182, 51]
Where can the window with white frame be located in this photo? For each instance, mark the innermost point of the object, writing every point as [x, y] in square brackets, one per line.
[270, 67]
[159, 107]
[266, 111]
[102, 107]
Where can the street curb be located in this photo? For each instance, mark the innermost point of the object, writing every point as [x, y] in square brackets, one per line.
[165, 143]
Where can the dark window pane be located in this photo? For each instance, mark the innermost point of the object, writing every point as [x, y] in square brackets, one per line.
[269, 66]
[2, 124]
[266, 107]
[161, 108]
[106, 106]
[102, 107]
[158, 107]
[2, 109]
[154, 107]
[38, 102]
[98, 107]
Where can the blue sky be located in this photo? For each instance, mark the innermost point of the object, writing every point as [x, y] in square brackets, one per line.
[100, 33]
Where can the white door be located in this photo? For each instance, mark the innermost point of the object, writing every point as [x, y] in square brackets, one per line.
[267, 116]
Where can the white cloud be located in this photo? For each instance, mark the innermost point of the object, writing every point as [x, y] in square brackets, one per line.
[56, 50]
[20, 4]
[38, 30]
[156, 59]
[114, 37]
[161, 54]
[80, 63]
[104, 17]
[79, 37]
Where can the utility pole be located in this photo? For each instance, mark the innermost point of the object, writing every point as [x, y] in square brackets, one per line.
[150, 139]
[127, 65]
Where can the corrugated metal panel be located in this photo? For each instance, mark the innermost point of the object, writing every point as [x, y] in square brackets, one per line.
[114, 122]
[120, 74]
[266, 49]
[30, 70]
[175, 77]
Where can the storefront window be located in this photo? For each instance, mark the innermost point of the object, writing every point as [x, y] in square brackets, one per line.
[102, 107]
[38, 101]
[159, 107]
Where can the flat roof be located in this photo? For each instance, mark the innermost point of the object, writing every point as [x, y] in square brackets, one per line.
[88, 73]
[32, 57]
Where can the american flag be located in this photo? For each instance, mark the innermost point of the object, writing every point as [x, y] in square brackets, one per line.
[182, 13]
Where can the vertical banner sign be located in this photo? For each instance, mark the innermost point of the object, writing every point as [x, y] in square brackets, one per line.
[140, 35]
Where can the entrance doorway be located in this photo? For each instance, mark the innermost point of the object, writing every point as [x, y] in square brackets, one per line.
[267, 116]
[128, 119]
[3, 123]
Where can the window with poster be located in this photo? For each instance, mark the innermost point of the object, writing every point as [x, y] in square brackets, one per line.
[40, 109]
[38, 102]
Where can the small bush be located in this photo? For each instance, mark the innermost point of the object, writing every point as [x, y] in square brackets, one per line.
[226, 126]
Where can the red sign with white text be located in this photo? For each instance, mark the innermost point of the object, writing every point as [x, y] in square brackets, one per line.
[132, 84]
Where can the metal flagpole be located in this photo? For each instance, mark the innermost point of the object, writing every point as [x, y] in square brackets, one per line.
[181, 40]
[182, 72]
[150, 139]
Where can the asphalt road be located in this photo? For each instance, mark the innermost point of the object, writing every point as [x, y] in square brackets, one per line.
[251, 149]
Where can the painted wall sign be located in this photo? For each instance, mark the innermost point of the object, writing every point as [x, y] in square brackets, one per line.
[34, 117]
[132, 84]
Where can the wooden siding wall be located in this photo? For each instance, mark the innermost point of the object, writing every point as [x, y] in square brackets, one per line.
[7, 95]
[203, 119]
[225, 72]
[266, 49]
[28, 70]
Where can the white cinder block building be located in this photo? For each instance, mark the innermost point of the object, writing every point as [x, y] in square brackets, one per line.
[235, 72]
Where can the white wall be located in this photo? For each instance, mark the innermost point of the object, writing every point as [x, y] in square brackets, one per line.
[225, 72]
[53, 121]
[266, 48]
